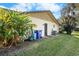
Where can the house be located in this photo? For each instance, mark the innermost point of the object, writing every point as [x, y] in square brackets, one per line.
[45, 22]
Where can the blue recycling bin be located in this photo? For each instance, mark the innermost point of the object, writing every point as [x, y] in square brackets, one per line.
[37, 34]
[40, 33]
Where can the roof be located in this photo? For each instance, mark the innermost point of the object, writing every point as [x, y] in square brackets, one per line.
[47, 11]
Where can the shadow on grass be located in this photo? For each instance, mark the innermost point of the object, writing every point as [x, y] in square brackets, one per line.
[75, 34]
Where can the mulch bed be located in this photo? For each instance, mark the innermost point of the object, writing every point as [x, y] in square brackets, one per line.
[10, 51]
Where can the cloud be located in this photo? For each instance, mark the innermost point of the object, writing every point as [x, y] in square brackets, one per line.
[18, 7]
[49, 6]
[38, 6]
[22, 7]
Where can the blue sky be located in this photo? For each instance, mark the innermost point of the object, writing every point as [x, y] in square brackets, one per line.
[53, 7]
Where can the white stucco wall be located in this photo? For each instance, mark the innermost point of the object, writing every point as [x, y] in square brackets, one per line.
[40, 25]
[40, 20]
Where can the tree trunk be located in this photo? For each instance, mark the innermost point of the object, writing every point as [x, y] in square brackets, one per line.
[69, 31]
[14, 40]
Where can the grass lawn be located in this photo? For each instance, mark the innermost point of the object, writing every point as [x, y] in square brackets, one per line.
[61, 45]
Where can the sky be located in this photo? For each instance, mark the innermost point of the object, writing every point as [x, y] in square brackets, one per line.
[55, 8]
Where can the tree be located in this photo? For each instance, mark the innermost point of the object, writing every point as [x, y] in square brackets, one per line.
[13, 26]
[68, 18]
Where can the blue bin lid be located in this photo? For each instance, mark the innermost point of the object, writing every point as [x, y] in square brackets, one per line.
[37, 30]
